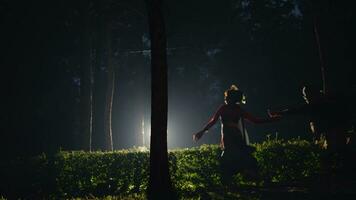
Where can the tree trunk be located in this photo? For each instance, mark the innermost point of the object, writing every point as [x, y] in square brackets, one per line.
[160, 186]
[323, 36]
[109, 93]
[85, 81]
[321, 54]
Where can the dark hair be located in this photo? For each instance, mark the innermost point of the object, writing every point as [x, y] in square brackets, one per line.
[233, 95]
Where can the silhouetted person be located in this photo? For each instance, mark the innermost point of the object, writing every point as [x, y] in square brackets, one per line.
[236, 155]
[329, 117]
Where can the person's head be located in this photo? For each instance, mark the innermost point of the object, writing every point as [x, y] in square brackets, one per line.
[233, 95]
[310, 93]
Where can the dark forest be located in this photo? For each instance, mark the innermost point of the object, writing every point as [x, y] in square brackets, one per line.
[96, 89]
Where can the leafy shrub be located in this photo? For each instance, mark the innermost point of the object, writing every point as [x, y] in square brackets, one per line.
[195, 168]
[287, 161]
[99, 173]
[78, 173]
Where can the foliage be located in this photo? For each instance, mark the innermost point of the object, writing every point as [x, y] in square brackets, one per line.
[77, 174]
[287, 161]
[101, 173]
[195, 169]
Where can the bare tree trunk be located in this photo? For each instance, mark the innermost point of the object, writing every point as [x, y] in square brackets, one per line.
[160, 186]
[320, 9]
[109, 93]
[321, 53]
[86, 81]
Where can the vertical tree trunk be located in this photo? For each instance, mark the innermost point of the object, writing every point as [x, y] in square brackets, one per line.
[322, 28]
[320, 51]
[160, 186]
[85, 81]
[109, 93]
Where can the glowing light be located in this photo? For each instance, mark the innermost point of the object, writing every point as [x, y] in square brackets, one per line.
[145, 135]
[143, 132]
[142, 148]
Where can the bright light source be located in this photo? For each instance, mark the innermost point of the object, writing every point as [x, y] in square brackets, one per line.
[146, 135]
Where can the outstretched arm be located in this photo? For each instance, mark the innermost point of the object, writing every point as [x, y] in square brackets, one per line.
[296, 110]
[257, 120]
[211, 123]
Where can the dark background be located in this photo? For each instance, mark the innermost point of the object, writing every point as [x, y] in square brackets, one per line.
[267, 48]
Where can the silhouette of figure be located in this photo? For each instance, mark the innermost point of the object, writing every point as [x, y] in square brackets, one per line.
[236, 155]
[330, 119]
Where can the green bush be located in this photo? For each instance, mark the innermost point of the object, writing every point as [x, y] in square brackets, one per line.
[99, 173]
[287, 161]
[195, 169]
[75, 174]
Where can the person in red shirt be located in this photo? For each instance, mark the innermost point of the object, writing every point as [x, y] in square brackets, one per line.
[236, 155]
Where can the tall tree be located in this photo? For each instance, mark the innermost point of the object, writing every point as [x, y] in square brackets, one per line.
[86, 95]
[319, 9]
[110, 91]
[160, 186]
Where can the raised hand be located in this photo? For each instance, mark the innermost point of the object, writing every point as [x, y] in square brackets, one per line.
[274, 114]
[198, 135]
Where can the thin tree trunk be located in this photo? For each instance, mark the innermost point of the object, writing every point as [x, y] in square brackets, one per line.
[109, 94]
[85, 82]
[320, 9]
[321, 54]
[94, 101]
[160, 186]
[91, 112]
